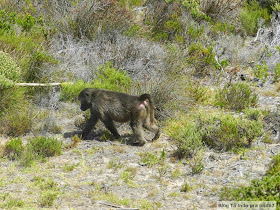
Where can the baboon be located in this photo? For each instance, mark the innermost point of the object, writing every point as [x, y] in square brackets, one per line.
[109, 106]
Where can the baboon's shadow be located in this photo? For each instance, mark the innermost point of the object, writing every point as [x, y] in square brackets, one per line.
[124, 139]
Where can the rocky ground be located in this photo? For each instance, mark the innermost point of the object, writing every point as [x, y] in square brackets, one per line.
[104, 174]
[109, 175]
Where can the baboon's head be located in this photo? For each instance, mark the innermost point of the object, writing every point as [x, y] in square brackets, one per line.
[85, 99]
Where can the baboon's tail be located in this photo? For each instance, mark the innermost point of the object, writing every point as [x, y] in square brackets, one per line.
[145, 96]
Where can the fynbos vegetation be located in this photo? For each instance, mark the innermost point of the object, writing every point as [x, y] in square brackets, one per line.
[205, 73]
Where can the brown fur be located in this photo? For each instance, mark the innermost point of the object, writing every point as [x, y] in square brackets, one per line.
[109, 106]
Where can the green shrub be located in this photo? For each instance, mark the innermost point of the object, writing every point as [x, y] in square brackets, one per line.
[164, 21]
[112, 79]
[274, 166]
[201, 58]
[217, 130]
[185, 187]
[151, 159]
[188, 140]
[8, 67]
[196, 163]
[28, 156]
[40, 148]
[250, 15]
[13, 203]
[17, 123]
[11, 99]
[276, 72]
[47, 198]
[14, 148]
[107, 78]
[236, 96]
[194, 7]
[261, 71]
[253, 114]
[45, 147]
[25, 37]
[224, 131]
[265, 189]
[89, 22]
[5, 83]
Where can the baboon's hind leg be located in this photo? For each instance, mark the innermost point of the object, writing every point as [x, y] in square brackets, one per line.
[137, 129]
[153, 128]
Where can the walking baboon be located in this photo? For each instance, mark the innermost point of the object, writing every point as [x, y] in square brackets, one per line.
[109, 106]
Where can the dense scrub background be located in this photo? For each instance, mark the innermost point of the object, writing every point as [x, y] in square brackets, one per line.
[209, 64]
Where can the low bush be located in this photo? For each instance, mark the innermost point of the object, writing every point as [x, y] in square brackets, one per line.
[11, 99]
[45, 147]
[91, 20]
[8, 67]
[276, 72]
[107, 78]
[261, 71]
[5, 83]
[17, 123]
[236, 96]
[188, 140]
[202, 58]
[274, 166]
[40, 148]
[224, 131]
[186, 135]
[14, 148]
[250, 15]
[265, 189]
[25, 36]
[218, 130]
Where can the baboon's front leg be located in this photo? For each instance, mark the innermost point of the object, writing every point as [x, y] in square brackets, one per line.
[110, 125]
[90, 124]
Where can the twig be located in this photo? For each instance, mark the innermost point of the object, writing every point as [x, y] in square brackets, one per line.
[117, 207]
[40, 84]
[258, 33]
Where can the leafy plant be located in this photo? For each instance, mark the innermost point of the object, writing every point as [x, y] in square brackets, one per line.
[261, 71]
[185, 187]
[274, 166]
[276, 72]
[194, 7]
[47, 198]
[17, 122]
[236, 96]
[70, 167]
[128, 174]
[101, 18]
[5, 83]
[14, 203]
[108, 78]
[40, 148]
[201, 57]
[264, 189]
[25, 36]
[188, 140]
[8, 68]
[250, 16]
[224, 131]
[151, 159]
[196, 163]
[45, 147]
[14, 148]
